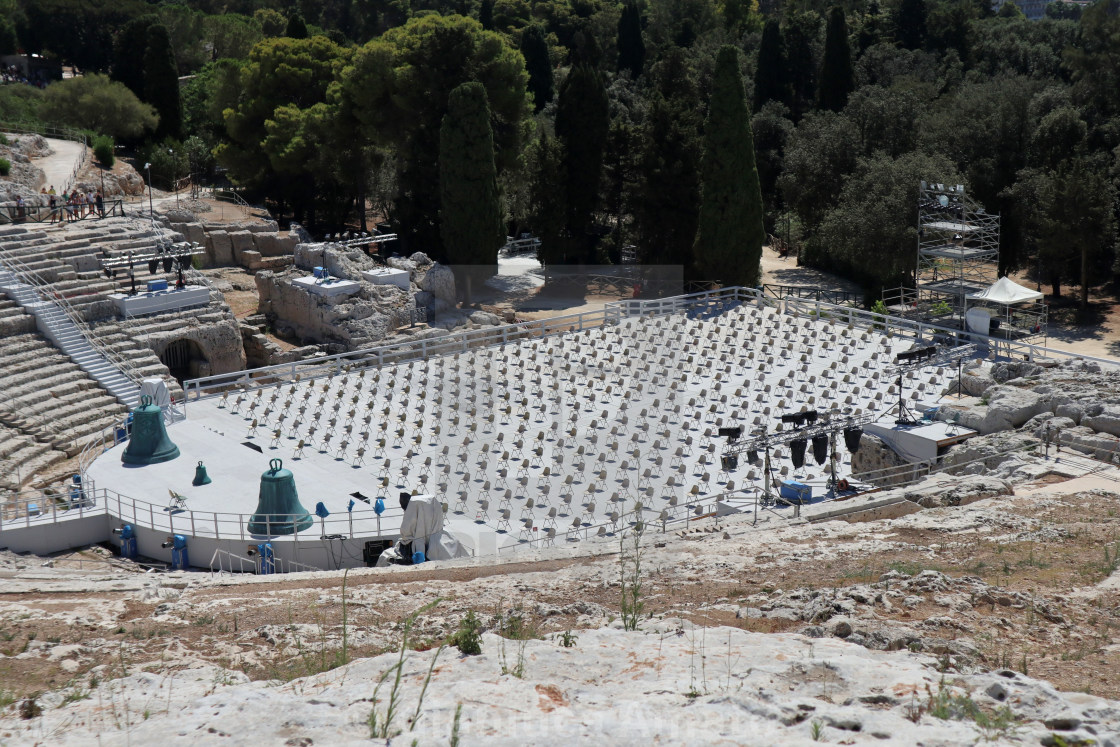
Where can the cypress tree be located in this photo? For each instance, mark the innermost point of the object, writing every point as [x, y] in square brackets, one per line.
[770, 82]
[547, 205]
[910, 23]
[631, 48]
[161, 83]
[486, 14]
[296, 29]
[837, 80]
[471, 220]
[667, 191]
[582, 124]
[729, 240]
[534, 49]
[131, 43]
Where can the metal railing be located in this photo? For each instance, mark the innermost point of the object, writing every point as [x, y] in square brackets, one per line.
[402, 352]
[60, 213]
[14, 265]
[248, 565]
[23, 510]
[56, 133]
[837, 297]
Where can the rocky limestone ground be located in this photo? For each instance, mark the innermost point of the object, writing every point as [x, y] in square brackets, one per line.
[991, 619]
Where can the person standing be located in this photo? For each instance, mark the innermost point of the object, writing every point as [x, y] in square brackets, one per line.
[99, 200]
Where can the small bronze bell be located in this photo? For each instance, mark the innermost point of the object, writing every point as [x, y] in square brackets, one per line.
[200, 476]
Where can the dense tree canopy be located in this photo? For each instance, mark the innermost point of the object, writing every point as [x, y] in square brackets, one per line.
[331, 111]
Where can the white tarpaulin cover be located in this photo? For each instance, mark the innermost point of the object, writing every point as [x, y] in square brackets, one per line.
[1005, 291]
[422, 525]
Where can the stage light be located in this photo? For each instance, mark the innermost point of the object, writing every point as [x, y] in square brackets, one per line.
[731, 434]
[797, 451]
[729, 462]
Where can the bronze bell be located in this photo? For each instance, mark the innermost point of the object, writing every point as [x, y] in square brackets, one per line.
[149, 443]
[200, 476]
[278, 508]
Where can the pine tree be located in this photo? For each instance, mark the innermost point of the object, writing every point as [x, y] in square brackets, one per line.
[631, 48]
[729, 240]
[534, 49]
[296, 29]
[770, 83]
[836, 78]
[471, 219]
[910, 23]
[582, 122]
[161, 83]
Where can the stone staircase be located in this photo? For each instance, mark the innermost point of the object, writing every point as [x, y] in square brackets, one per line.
[56, 389]
[58, 327]
[50, 407]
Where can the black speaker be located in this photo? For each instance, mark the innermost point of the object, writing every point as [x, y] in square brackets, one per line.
[372, 550]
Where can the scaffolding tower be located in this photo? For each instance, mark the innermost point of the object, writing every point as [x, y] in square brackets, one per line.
[958, 254]
[958, 258]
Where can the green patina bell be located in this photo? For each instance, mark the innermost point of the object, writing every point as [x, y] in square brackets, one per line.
[200, 476]
[278, 508]
[149, 443]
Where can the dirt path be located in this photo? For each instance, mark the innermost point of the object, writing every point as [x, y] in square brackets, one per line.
[59, 165]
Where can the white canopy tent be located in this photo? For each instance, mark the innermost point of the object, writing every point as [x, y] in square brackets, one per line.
[1005, 292]
[1016, 312]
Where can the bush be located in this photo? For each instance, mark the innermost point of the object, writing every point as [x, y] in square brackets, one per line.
[99, 104]
[5, 167]
[468, 638]
[103, 151]
[4, 139]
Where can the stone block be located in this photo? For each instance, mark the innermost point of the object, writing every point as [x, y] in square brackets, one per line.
[251, 259]
[286, 243]
[266, 243]
[1107, 420]
[193, 232]
[220, 248]
[242, 241]
[268, 226]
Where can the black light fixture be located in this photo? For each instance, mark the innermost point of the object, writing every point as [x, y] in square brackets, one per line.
[731, 434]
[797, 451]
[820, 447]
[852, 438]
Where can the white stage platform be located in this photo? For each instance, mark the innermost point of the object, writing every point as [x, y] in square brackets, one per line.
[330, 288]
[222, 508]
[154, 302]
[387, 276]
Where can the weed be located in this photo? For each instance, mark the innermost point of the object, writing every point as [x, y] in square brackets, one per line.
[29, 709]
[512, 627]
[74, 695]
[455, 725]
[381, 724]
[147, 714]
[950, 706]
[6, 636]
[816, 729]
[204, 620]
[468, 638]
[568, 639]
[6, 699]
[630, 574]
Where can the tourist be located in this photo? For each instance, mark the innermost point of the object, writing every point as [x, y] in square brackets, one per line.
[52, 201]
[99, 201]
